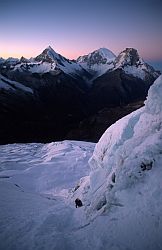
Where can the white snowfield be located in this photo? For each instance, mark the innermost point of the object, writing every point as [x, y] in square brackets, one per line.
[121, 188]
[36, 211]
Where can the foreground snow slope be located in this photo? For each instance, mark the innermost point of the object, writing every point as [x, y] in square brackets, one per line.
[126, 178]
[35, 180]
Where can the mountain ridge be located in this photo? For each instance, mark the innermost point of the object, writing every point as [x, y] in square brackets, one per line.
[96, 63]
[63, 93]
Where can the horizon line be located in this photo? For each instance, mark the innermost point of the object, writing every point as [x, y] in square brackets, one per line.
[18, 56]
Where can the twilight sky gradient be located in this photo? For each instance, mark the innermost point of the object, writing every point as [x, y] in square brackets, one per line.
[74, 27]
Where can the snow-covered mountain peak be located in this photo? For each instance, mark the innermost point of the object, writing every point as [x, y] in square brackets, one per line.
[48, 61]
[24, 60]
[106, 53]
[97, 62]
[100, 56]
[2, 60]
[130, 61]
[89, 67]
[129, 57]
[49, 55]
[49, 48]
[11, 61]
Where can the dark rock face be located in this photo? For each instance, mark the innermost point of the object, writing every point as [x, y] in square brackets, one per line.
[92, 128]
[57, 104]
[129, 56]
[116, 88]
[94, 59]
[66, 106]
[24, 60]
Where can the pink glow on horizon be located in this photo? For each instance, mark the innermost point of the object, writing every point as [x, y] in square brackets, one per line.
[69, 52]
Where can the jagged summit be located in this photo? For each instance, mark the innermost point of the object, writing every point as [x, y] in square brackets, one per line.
[49, 55]
[130, 57]
[2, 61]
[49, 48]
[130, 61]
[58, 62]
[24, 60]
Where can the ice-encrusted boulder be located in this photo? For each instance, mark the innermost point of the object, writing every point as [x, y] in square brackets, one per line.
[122, 195]
[128, 150]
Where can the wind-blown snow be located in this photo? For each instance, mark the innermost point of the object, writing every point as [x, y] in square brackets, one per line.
[35, 181]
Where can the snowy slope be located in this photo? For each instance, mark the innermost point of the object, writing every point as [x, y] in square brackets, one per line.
[13, 86]
[35, 67]
[35, 180]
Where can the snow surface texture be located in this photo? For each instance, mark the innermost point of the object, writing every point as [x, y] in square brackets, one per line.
[35, 209]
[125, 179]
[121, 193]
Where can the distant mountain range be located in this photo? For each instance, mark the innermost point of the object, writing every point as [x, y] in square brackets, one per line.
[46, 97]
[96, 63]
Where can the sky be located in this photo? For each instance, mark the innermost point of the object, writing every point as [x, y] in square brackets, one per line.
[73, 27]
